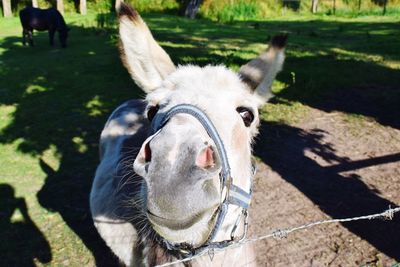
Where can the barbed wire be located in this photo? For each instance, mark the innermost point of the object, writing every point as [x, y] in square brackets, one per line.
[283, 233]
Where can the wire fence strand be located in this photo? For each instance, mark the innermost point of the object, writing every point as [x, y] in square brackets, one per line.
[283, 233]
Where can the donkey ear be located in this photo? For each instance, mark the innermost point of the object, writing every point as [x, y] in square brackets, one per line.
[145, 60]
[260, 72]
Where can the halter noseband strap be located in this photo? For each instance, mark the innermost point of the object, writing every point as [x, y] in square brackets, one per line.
[234, 195]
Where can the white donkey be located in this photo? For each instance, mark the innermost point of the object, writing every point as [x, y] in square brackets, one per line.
[175, 174]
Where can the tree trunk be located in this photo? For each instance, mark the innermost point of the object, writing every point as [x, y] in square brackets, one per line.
[118, 4]
[7, 8]
[190, 8]
[384, 7]
[60, 6]
[35, 3]
[334, 7]
[82, 7]
[314, 6]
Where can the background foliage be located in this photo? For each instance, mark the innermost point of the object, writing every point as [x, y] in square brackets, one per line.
[230, 10]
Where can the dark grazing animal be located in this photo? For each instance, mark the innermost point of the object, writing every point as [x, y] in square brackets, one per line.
[43, 20]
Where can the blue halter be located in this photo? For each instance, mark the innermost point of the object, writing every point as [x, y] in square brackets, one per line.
[234, 194]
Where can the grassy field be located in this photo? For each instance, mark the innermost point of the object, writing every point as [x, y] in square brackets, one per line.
[54, 103]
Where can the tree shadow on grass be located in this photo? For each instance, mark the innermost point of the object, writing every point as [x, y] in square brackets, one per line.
[22, 241]
[330, 65]
[63, 100]
[283, 149]
[347, 86]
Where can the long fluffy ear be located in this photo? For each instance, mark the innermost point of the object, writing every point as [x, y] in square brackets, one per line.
[260, 72]
[145, 60]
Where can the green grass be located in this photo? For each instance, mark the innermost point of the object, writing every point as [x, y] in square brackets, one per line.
[54, 102]
[240, 10]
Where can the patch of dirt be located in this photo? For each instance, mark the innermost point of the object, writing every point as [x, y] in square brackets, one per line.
[328, 166]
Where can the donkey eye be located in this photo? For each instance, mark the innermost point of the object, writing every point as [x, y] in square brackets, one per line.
[246, 114]
[151, 112]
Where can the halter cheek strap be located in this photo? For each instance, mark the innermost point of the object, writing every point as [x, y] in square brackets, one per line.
[234, 195]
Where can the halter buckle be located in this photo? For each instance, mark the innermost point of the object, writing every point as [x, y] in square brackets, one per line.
[245, 226]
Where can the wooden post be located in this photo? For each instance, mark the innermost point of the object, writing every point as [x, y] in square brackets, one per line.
[314, 6]
[60, 6]
[118, 4]
[82, 7]
[7, 8]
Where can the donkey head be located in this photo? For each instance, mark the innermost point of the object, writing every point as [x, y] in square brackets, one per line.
[179, 162]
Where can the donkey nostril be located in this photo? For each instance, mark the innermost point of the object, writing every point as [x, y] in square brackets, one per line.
[147, 152]
[205, 159]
